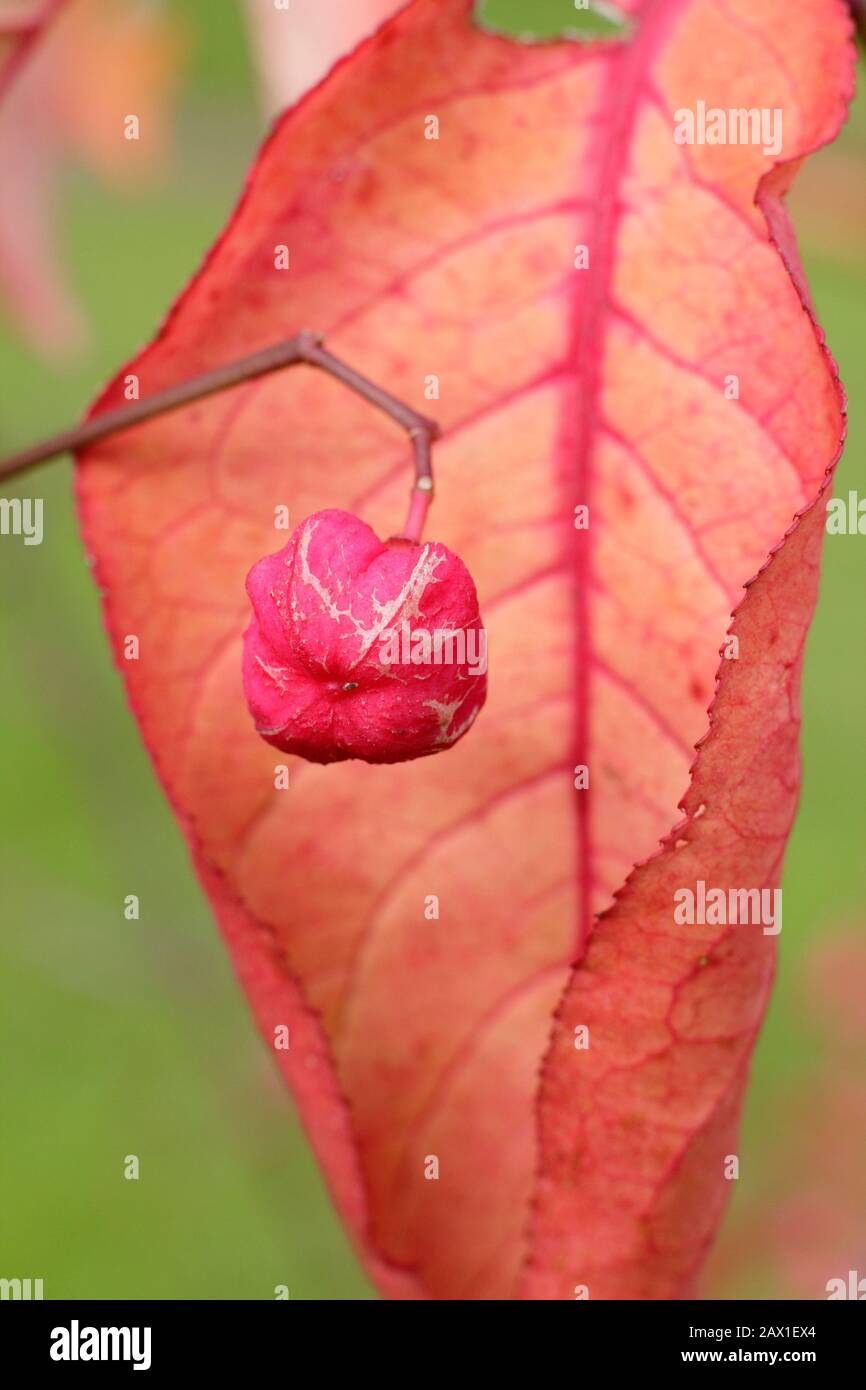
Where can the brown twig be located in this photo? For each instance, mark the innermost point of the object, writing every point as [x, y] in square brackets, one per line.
[306, 348]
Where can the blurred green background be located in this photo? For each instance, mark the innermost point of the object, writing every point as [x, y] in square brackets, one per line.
[124, 1037]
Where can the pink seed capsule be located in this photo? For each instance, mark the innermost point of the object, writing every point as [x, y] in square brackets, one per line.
[362, 649]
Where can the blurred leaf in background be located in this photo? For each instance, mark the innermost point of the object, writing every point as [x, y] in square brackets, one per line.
[131, 1037]
[98, 65]
[292, 52]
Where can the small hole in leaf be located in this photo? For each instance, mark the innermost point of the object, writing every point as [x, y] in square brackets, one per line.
[540, 21]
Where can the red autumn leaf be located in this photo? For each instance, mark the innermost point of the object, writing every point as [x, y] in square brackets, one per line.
[676, 386]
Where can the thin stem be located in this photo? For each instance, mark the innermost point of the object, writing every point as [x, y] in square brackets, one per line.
[307, 348]
[421, 431]
[126, 416]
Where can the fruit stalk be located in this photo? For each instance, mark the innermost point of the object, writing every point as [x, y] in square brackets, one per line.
[306, 348]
